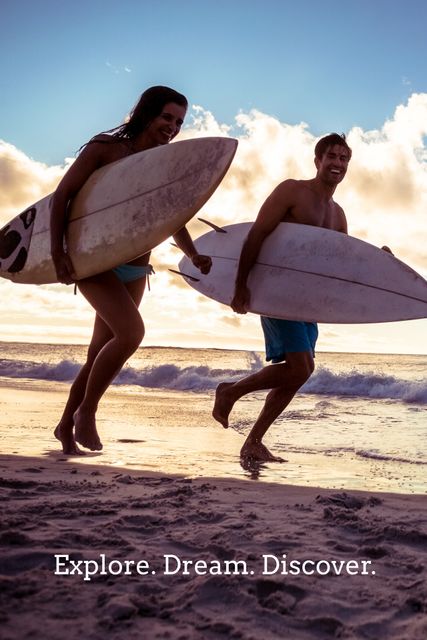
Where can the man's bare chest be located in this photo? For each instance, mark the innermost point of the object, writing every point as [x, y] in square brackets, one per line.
[315, 213]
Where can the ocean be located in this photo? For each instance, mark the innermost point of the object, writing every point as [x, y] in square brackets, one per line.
[359, 422]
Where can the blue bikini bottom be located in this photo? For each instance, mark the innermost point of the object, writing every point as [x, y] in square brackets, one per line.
[131, 272]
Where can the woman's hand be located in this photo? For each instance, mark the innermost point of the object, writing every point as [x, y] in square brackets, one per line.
[91, 158]
[203, 263]
[64, 268]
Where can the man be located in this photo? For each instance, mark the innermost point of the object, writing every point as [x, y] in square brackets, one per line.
[289, 344]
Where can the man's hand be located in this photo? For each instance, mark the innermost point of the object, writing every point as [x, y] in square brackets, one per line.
[241, 300]
[203, 263]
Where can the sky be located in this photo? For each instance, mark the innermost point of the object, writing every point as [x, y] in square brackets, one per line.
[276, 75]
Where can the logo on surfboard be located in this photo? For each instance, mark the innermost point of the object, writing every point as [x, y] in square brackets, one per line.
[15, 239]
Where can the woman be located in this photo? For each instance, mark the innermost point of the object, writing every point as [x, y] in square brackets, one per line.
[115, 295]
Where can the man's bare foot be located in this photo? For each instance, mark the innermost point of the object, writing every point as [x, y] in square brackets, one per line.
[86, 433]
[223, 404]
[65, 435]
[258, 451]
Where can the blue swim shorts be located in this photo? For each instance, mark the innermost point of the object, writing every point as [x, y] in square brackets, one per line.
[287, 336]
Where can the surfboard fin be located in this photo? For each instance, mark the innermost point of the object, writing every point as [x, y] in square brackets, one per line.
[184, 275]
[212, 225]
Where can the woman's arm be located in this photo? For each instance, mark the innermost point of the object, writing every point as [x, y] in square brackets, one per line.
[88, 161]
[185, 243]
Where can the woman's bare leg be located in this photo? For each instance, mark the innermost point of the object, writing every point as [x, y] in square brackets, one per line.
[114, 303]
[118, 331]
[65, 428]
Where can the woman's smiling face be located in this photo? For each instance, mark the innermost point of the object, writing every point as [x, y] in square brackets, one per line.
[164, 127]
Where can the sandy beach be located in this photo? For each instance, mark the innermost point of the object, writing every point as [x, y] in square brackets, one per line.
[94, 547]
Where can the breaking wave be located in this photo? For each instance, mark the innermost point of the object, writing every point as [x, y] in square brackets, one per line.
[203, 378]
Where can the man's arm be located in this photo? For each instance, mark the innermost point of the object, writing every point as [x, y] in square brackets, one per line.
[269, 216]
[342, 220]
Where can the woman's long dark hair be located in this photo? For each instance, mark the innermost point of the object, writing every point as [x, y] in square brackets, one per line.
[149, 106]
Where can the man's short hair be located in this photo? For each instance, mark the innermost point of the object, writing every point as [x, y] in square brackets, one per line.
[329, 141]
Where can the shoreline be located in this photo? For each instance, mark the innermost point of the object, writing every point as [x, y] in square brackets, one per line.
[155, 430]
[259, 350]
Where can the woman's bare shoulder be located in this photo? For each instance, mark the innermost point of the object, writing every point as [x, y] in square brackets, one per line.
[104, 137]
[106, 148]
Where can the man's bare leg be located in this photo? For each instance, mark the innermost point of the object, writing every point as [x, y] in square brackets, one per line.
[228, 393]
[276, 402]
[297, 370]
[223, 403]
[284, 379]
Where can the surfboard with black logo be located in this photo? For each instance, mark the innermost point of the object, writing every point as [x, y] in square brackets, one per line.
[123, 210]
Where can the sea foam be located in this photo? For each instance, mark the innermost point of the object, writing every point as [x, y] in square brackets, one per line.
[323, 382]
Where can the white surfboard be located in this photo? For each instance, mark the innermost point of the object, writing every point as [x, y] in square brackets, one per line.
[123, 210]
[312, 274]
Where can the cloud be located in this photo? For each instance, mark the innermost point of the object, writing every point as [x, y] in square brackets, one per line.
[116, 70]
[232, 320]
[384, 196]
[112, 67]
[388, 168]
[23, 181]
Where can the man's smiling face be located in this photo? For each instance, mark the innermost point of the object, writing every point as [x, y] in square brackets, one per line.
[332, 166]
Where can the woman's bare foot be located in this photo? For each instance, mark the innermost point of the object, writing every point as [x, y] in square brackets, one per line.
[65, 435]
[86, 433]
[223, 404]
[258, 451]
